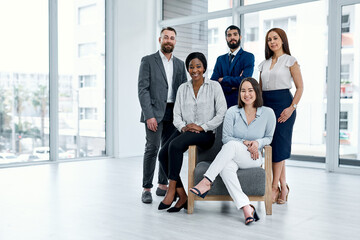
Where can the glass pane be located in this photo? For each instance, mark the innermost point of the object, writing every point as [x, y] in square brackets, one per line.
[180, 8]
[81, 78]
[349, 92]
[207, 37]
[306, 28]
[24, 80]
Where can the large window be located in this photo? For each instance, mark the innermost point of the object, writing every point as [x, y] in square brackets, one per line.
[349, 135]
[24, 79]
[29, 68]
[307, 24]
[82, 78]
[207, 37]
[299, 22]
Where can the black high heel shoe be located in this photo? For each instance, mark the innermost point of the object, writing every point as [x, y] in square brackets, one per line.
[197, 192]
[163, 206]
[254, 218]
[175, 209]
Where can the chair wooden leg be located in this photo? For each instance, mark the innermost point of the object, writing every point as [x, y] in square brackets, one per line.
[268, 204]
[268, 188]
[192, 161]
[191, 201]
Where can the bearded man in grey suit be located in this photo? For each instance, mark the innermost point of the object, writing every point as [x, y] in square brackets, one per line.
[160, 76]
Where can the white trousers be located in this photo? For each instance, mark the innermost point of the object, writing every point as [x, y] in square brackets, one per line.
[232, 156]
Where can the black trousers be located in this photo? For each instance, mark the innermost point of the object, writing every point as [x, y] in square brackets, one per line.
[171, 154]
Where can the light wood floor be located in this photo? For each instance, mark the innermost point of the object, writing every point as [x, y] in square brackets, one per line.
[100, 199]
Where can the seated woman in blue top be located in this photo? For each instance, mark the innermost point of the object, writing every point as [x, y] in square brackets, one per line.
[247, 128]
[199, 109]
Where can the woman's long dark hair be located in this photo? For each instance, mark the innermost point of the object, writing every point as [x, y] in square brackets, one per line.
[282, 35]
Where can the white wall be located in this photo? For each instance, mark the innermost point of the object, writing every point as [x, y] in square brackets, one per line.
[135, 36]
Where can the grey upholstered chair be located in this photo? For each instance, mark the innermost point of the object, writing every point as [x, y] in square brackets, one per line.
[255, 182]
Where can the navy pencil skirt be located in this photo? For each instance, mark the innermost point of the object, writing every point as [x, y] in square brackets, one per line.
[278, 100]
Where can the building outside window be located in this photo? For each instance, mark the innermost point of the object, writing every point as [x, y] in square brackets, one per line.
[213, 36]
[252, 34]
[82, 56]
[86, 49]
[88, 114]
[87, 15]
[87, 81]
[24, 79]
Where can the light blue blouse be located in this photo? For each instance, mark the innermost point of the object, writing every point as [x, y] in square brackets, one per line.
[261, 129]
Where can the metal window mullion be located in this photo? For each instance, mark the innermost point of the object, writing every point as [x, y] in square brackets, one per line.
[53, 81]
[269, 5]
[333, 86]
[110, 106]
[238, 19]
[230, 12]
[347, 2]
[196, 18]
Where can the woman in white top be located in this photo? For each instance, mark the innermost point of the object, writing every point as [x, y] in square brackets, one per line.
[199, 109]
[277, 73]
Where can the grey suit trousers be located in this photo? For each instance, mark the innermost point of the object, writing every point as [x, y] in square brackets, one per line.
[153, 140]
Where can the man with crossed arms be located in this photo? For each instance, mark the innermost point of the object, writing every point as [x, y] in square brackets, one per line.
[231, 68]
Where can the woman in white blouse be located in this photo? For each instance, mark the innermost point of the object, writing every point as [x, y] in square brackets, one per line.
[199, 109]
[277, 73]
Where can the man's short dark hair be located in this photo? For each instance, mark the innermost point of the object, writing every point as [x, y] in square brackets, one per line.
[197, 55]
[232, 27]
[169, 29]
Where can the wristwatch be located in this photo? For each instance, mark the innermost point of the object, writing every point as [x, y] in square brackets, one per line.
[294, 105]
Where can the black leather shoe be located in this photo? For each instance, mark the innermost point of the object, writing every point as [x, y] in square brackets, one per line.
[146, 197]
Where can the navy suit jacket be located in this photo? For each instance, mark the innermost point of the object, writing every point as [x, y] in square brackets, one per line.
[241, 67]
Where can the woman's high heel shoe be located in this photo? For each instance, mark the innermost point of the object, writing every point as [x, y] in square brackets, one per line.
[277, 195]
[163, 206]
[282, 201]
[254, 218]
[175, 209]
[197, 191]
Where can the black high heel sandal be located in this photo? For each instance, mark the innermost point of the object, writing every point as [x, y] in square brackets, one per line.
[197, 191]
[175, 209]
[254, 218]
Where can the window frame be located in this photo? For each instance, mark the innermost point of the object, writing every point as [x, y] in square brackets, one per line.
[54, 84]
[333, 70]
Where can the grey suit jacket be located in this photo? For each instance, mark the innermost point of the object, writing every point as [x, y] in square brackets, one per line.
[153, 85]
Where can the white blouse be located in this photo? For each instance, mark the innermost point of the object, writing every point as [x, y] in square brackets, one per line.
[206, 110]
[279, 77]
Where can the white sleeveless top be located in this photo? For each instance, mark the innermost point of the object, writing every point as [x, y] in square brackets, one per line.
[279, 77]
